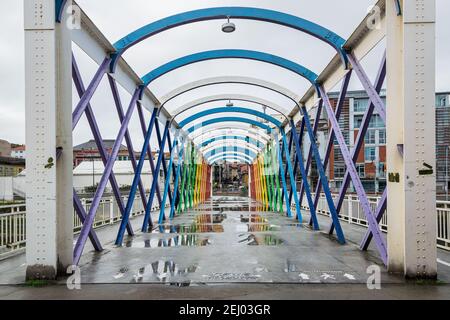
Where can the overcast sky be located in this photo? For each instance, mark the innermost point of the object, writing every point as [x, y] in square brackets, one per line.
[122, 17]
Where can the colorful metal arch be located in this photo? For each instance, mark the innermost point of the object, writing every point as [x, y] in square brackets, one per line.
[246, 151]
[59, 8]
[229, 119]
[228, 154]
[258, 14]
[237, 129]
[230, 110]
[231, 80]
[253, 141]
[239, 144]
[232, 97]
[230, 54]
[231, 158]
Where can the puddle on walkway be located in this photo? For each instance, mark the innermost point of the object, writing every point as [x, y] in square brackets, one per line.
[185, 240]
[229, 276]
[257, 227]
[188, 228]
[261, 240]
[165, 271]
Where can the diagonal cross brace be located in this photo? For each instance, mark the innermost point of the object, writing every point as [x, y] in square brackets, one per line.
[162, 147]
[149, 150]
[299, 154]
[89, 92]
[310, 153]
[147, 217]
[360, 137]
[323, 177]
[79, 246]
[136, 179]
[381, 209]
[78, 81]
[330, 144]
[128, 140]
[300, 137]
[373, 225]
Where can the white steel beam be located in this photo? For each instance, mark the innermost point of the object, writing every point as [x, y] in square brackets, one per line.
[411, 151]
[48, 99]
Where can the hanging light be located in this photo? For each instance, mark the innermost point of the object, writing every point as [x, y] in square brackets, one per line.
[230, 104]
[228, 27]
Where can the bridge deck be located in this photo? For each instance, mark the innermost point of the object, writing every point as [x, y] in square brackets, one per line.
[228, 241]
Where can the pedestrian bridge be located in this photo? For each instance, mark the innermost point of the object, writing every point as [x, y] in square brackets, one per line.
[269, 235]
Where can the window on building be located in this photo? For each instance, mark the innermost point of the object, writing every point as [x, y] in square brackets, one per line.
[376, 122]
[360, 105]
[357, 121]
[370, 137]
[382, 170]
[339, 172]
[441, 100]
[361, 169]
[382, 136]
[370, 154]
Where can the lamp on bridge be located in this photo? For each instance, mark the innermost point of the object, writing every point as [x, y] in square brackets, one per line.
[228, 27]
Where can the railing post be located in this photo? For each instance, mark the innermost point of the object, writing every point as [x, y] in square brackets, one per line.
[111, 209]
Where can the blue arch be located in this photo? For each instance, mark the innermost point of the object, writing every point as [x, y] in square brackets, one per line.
[258, 14]
[229, 119]
[231, 158]
[230, 154]
[230, 110]
[219, 150]
[229, 54]
[255, 142]
[59, 8]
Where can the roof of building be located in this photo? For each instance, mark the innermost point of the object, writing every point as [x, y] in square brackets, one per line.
[18, 148]
[91, 145]
[97, 167]
[12, 161]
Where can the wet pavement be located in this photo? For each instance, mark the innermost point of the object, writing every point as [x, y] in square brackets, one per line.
[228, 240]
[228, 248]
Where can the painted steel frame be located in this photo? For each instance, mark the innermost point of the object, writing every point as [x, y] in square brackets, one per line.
[230, 54]
[231, 97]
[231, 144]
[258, 143]
[258, 14]
[84, 107]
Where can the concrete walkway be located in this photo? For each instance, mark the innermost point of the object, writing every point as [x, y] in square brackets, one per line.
[229, 249]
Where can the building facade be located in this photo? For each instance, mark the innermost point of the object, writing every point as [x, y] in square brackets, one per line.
[11, 167]
[18, 151]
[88, 151]
[371, 161]
[5, 148]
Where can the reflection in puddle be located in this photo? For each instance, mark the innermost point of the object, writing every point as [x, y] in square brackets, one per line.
[290, 266]
[176, 241]
[262, 240]
[191, 228]
[210, 218]
[257, 227]
[164, 271]
[228, 276]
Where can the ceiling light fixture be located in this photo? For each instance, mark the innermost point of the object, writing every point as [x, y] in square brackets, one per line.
[228, 27]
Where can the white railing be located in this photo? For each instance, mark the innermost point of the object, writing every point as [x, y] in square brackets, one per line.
[353, 213]
[13, 221]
